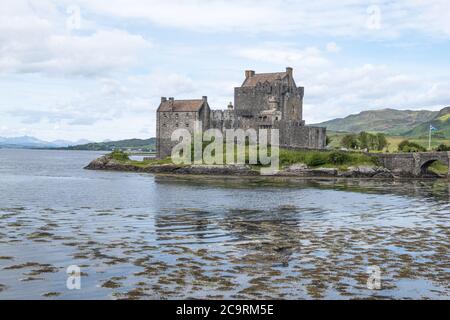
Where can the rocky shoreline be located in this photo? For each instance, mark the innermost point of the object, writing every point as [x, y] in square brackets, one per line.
[107, 163]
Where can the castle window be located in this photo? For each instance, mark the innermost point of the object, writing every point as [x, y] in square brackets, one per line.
[187, 125]
[164, 125]
[176, 124]
[176, 115]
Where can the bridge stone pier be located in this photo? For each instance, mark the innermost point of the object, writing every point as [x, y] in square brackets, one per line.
[415, 163]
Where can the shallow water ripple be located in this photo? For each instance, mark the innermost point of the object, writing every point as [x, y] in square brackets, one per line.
[146, 237]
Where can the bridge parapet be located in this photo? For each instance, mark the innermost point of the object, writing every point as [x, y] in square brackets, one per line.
[415, 163]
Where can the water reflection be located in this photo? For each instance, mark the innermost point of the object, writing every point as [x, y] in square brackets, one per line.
[432, 188]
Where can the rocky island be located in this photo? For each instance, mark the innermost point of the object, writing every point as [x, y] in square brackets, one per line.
[305, 164]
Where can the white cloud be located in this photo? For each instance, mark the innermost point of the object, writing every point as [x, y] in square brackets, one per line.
[326, 17]
[161, 83]
[105, 99]
[34, 39]
[338, 92]
[101, 53]
[433, 16]
[276, 53]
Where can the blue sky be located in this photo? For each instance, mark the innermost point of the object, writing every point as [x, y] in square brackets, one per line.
[96, 69]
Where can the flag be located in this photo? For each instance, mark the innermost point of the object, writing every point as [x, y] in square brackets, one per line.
[432, 128]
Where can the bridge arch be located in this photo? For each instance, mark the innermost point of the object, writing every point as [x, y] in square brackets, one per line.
[425, 165]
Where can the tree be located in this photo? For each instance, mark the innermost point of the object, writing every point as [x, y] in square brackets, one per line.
[363, 138]
[372, 142]
[350, 141]
[382, 141]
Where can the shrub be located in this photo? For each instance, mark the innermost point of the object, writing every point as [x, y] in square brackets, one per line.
[408, 146]
[443, 147]
[316, 159]
[119, 155]
[338, 158]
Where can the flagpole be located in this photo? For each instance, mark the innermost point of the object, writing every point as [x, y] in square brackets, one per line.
[429, 140]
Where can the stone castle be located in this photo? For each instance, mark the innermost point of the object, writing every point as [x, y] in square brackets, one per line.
[264, 100]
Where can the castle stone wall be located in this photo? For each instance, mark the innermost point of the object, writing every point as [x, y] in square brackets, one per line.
[303, 137]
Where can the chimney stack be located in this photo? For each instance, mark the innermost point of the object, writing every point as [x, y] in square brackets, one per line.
[163, 99]
[230, 106]
[289, 71]
[205, 99]
[249, 73]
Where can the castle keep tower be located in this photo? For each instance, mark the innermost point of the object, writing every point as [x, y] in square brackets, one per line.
[263, 101]
[276, 92]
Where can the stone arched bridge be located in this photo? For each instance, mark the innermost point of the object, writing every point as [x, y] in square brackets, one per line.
[415, 164]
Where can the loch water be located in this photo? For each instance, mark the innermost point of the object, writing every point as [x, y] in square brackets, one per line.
[142, 236]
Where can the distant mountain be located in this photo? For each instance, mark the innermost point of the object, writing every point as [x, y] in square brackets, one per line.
[129, 144]
[28, 142]
[391, 121]
[23, 142]
[441, 122]
[66, 143]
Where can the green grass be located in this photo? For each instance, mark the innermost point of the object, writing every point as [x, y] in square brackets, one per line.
[335, 159]
[123, 157]
[444, 117]
[439, 168]
[394, 141]
[314, 159]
